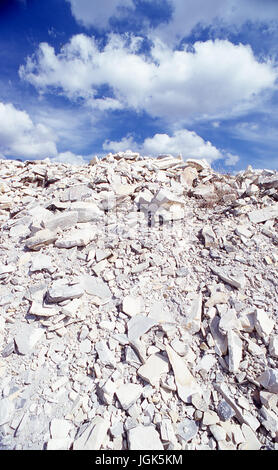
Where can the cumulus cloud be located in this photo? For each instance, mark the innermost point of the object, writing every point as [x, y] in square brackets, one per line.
[97, 13]
[212, 80]
[229, 13]
[182, 142]
[69, 157]
[20, 137]
[186, 15]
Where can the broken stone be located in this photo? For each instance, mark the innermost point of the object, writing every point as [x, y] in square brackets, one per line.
[269, 380]
[40, 239]
[155, 366]
[27, 338]
[105, 355]
[63, 221]
[128, 394]
[209, 237]
[93, 436]
[144, 438]
[235, 281]
[60, 428]
[86, 211]
[96, 287]
[78, 237]
[225, 411]
[235, 351]
[138, 325]
[262, 215]
[59, 292]
[187, 430]
[185, 382]
[7, 409]
[263, 324]
[273, 346]
[193, 319]
[132, 305]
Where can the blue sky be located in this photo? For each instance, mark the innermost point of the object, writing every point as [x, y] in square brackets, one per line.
[199, 78]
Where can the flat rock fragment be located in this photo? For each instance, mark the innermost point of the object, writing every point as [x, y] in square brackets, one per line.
[40, 239]
[27, 337]
[144, 438]
[154, 367]
[128, 394]
[185, 382]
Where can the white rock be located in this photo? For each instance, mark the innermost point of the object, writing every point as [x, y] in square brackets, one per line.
[193, 319]
[243, 231]
[273, 346]
[128, 394]
[155, 366]
[42, 262]
[263, 324]
[209, 237]
[252, 442]
[60, 428]
[94, 435]
[235, 351]
[7, 409]
[237, 281]
[185, 382]
[133, 305]
[187, 430]
[104, 354]
[144, 438]
[59, 444]
[78, 237]
[63, 220]
[218, 432]
[86, 211]
[27, 338]
[96, 287]
[40, 239]
[261, 215]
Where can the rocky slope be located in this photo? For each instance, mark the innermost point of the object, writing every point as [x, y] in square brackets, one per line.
[138, 305]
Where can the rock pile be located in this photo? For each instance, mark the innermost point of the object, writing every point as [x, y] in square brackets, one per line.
[138, 305]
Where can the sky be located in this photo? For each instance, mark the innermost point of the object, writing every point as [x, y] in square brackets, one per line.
[197, 78]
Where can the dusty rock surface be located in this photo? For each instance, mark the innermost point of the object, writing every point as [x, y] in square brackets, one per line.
[138, 305]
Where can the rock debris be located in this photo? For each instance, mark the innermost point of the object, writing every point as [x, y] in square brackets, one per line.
[138, 305]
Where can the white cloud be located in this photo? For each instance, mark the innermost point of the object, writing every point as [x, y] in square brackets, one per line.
[185, 14]
[182, 142]
[69, 157]
[97, 13]
[231, 159]
[214, 80]
[20, 137]
[229, 13]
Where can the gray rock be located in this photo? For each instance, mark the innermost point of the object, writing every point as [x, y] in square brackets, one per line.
[187, 430]
[59, 292]
[96, 287]
[225, 411]
[105, 355]
[138, 325]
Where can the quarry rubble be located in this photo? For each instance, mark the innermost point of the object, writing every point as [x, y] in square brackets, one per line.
[138, 305]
